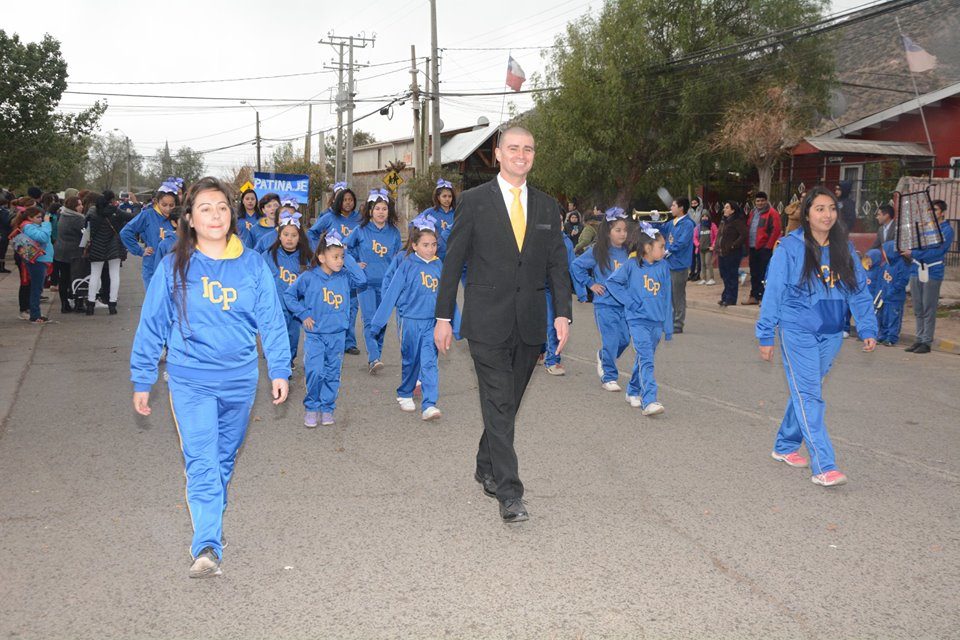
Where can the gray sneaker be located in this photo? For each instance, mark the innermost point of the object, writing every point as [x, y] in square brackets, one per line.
[206, 565]
[326, 419]
[310, 419]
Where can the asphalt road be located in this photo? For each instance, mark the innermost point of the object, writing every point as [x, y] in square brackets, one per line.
[679, 526]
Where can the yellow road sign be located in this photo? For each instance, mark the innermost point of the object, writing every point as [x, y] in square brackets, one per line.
[246, 185]
[393, 180]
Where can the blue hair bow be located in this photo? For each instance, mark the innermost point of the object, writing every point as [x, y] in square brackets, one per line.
[425, 223]
[378, 194]
[286, 217]
[615, 213]
[649, 229]
[289, 202]
[168, 187]
[339, 186]
[334, 239]
[444, 184]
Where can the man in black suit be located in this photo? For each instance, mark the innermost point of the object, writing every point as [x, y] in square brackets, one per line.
[885, 230]
[509, 237]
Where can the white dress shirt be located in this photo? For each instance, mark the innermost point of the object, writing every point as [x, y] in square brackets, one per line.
[508, 195]
[886, 230]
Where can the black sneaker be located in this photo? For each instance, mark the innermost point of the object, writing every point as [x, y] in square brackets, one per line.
[206, 565]
[923, 348]
[913, 347]
[352, 351]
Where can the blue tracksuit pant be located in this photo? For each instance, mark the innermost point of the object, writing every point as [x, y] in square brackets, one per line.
[807, 357]
[369, 301]
[419, 354]
[211, 418]
[553, 341]
[322, 361]
[293, 331]
[614, 337]
[351, 336]
[646, 337]
[890, 319]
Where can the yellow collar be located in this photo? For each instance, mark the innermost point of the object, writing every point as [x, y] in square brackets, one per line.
[264, 222]
[233, 250]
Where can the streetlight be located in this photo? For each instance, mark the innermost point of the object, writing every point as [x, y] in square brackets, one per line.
[127, 140]
[244, 102]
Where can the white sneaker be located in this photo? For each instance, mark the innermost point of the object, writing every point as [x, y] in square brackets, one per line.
[599, 366]
[635, 401]
[431, 413]
[711, 282]
[556, 370]
[100, 305]
[406, 404]
[24, 315]
[653, 409]
[742, 277]
[846, 334]
[701, 282]
[611, 386]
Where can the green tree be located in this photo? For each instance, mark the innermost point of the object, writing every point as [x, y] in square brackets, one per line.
[624, 117]
[420, 188]
[107, 163]
[360, 138]
[185, 163]
[37, 144]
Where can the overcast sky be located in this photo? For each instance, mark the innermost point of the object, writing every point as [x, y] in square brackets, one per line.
[112, 41]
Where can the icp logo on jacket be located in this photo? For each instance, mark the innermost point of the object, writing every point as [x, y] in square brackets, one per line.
[429, 281]
[332, 298]
[218, 294]
[379, 249]
[651, 285]
[287, 276]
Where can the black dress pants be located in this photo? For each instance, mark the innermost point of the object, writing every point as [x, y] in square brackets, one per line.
[759, 259]
[503, 371]
[730, 273]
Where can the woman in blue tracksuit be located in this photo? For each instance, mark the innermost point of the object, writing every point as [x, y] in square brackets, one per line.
[591, 270]
[266, 225]
[207, 303]
[413, 291]
[248, 213]
[343, 218]
[444, 203]
[151, 226]
[551, 360]
[320, 299]
[287, 258]
[643, 285]
[373, 245]
[925, 288]
[812, 281]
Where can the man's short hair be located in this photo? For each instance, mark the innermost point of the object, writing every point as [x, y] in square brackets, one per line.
[512, 129]
[683, 203]
[761, 194]
[887, 209]
[940, 204]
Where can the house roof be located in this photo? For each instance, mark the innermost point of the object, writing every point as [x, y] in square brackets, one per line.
[869, 147]
[872, 67]
[461, 146]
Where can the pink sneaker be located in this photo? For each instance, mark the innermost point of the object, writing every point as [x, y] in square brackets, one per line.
[793, 459]
[829, 479]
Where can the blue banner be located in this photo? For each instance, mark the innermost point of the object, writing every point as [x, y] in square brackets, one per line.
[287, 185]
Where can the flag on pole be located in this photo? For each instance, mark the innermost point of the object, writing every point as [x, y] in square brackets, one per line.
[917, 58]
[515, 74]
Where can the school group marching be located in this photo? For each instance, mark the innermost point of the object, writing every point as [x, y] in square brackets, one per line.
[219, 273]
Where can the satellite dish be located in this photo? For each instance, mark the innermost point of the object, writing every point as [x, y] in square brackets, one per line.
[837, 103]
[483, 121]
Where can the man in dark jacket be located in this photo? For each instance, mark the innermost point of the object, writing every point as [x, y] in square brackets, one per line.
[885, 230]
[763, 231]
[847, 206]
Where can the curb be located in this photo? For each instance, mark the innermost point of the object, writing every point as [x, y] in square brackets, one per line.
[742, 311]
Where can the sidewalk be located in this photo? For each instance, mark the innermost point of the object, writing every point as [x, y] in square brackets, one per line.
[947, 338]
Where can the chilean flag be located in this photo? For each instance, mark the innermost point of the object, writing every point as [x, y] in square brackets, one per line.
[515, 74]
[917, 58]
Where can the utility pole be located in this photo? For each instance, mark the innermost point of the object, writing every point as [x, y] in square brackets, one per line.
[258, 141]
[415, 103]
[425, 118]
[306, 144]
[128, 162]
[435, 79]
[345, 96]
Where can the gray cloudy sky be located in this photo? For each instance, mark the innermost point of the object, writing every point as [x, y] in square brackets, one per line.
[112, 41]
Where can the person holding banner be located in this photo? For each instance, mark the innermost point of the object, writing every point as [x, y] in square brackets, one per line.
[343, 219]
[927, 276]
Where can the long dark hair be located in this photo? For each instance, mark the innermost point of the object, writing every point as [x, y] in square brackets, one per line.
[639, 241]
[338, 201]
[303, 247]
[841, 262]
[242, 210]
[436, 198]
[601, 248]
[367, 212]
[187, 239]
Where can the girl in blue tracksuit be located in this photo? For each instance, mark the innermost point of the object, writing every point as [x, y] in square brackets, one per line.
[170, 239]
[643, 287]
[872, 262]
[248, 213]
[287, 208]
[551, 360]
[287, 258]
[343, 219]
[320, 298]
[591, 270]
[413, 291]
[894, 278]
[151, 226]
[812, 280]
[266, 225]
[373, 245]
[444, 203]
[207, 303]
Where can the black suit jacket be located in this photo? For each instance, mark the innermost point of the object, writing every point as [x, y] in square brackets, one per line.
[879, 240]
[505, 287]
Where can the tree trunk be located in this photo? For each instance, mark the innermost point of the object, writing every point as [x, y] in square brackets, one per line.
[765, 172]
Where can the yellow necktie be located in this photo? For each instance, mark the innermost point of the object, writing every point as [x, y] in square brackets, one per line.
[517, 220]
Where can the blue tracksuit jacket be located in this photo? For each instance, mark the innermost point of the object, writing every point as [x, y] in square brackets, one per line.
[263, 227]
[444, 218]
[344, 225]
[679, 236]
[874, 272]
[152, 228]
[376, 247]
[936, 253]
[285, 271]
[325, 298]
[586, 272]
[166, 246]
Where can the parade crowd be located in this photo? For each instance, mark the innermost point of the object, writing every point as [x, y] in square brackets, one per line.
[220, 272]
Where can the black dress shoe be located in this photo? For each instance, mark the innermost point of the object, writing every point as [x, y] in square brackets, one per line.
[678, 330]
[913, 347]
[923, 348]
[513, 510]
[489, 485]
[353, 351]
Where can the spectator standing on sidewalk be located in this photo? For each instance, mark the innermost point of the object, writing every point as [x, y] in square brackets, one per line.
[105, 223]
[731, 239]
[764, 229]
[707, 238]
[66, 250]
[927, 276]
[679, 233]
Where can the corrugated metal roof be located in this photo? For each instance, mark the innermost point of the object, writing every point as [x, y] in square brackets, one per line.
[459, 147]
[870, 147]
